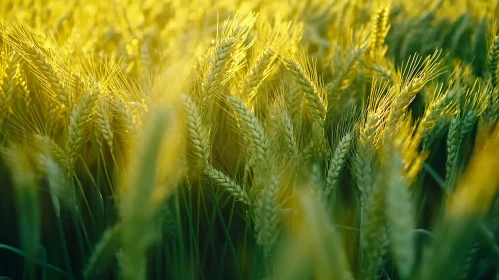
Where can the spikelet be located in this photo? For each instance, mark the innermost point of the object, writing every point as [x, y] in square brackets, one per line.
[79, 124]
[364, 155]
[281, 134]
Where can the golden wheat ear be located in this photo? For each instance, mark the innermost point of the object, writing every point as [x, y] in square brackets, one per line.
[305, 74]
[227, 56]
[79, 125]
[370, 127]
[379, 29]
[415, 74]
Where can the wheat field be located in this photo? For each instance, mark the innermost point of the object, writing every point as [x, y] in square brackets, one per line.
[249, 139]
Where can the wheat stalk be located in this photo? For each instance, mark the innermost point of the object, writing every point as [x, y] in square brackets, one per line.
[400, 216]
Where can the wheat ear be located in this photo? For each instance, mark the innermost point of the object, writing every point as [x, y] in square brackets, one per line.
[316, 103]
[8, 87]
[54, 149]
[78, 125]
[435, 110]
[453, 142]
[364, 155]
[492, 59]
[198, 139]
[228, 55]
[379, 28]
[40, 63]
[413, 83]
[252, 130]
[289, 136]
[103, 121]
[267, 212]
[103, 252]
[337, 162]
[373, 232]
[259, 72]
[227, 184]
[125, 117]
